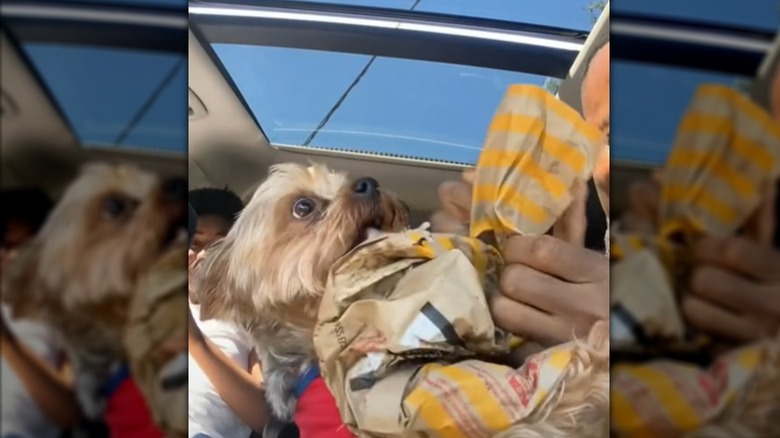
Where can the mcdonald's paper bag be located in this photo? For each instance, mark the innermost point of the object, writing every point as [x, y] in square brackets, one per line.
[157, 325]
[405, 339]
[727, 150]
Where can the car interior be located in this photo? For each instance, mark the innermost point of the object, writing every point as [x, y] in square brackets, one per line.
[60, 103]
[281, 82]
[231, 145]
[242, 77]
[90, 83]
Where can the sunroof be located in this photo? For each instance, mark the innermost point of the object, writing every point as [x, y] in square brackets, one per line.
[360, 103]
[117, 98]
[644, 121]
[763, 15]
[569, 14]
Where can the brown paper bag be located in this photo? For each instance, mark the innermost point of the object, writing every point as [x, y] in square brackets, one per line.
[158, 317]
[727, 150]
[405, 339]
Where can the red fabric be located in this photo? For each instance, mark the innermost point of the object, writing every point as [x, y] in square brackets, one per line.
[316, 414]
[127, 415]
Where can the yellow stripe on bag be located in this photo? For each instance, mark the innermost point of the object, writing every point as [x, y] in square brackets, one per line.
[744, 105]
[446, 242]
[561, 109]
[481, 400]
[713, 165]
[525, 125]
[478, 260]
[700, 198]
[525, 206]
[749, 150]
[625, 419]
[432, 410]
[528, 166]
[677, 408]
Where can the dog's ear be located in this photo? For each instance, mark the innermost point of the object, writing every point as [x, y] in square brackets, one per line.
[213, 288]
[22, 288]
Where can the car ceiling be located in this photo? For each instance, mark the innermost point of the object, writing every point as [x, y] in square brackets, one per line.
[38, 148]
[227, 149]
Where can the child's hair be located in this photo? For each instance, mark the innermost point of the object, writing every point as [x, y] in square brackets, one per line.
[28, 205]
[218, 202]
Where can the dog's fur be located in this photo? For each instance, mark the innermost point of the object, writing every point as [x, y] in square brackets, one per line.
[268, 274]
[78, 273]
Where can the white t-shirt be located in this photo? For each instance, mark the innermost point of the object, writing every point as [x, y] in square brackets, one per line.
[21, 416]
[209, 415]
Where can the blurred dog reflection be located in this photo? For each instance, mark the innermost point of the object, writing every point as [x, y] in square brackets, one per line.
[79, 273]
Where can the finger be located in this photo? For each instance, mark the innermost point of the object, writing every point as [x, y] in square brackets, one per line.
[735, 292]
[468, 175]
[761, 226]
[553, 295]
[455, 199]
[528, 322]
[716, 321]
[740, 254]
[443, 222]
[644, 198]
[571, 226]
[557, 258]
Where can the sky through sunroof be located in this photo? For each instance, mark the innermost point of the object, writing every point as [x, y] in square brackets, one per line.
[385, 105]
[117, 97]
[644, 121]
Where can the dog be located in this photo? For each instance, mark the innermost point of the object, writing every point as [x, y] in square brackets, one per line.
[269, 273]
[79, 273]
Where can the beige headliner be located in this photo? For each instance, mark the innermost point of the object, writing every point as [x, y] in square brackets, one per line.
[37, 147]
[228, 149]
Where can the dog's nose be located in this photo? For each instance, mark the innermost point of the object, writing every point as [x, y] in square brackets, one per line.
[175, 189]
[366, 187]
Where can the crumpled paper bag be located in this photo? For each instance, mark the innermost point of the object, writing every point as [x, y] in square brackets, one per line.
[157, 319]
[727, 149]
[405, 340]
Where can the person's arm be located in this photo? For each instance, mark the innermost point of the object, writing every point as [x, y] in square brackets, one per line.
[241, 390]
[52, 392]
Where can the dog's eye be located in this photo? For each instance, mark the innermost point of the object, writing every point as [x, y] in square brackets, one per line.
[303, 207]
[114, 207]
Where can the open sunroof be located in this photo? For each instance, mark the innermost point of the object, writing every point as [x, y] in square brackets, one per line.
[360, 103]
[387, 90]
[644, 121]
[106, 70]
[143, 110]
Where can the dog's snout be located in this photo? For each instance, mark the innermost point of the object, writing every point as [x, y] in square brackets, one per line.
[175, 189]
[366, 187]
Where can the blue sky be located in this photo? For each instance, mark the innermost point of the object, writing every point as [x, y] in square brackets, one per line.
[399, 106]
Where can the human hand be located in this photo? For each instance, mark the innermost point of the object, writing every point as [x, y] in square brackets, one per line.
[735, 289]
[551, 290]
[455, 198]
[644, 198]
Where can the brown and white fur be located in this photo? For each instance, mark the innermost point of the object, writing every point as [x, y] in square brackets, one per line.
[268, 274]
[77, 275]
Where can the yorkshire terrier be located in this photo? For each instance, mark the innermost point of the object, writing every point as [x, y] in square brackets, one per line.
[79, 273]
[269, 273]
